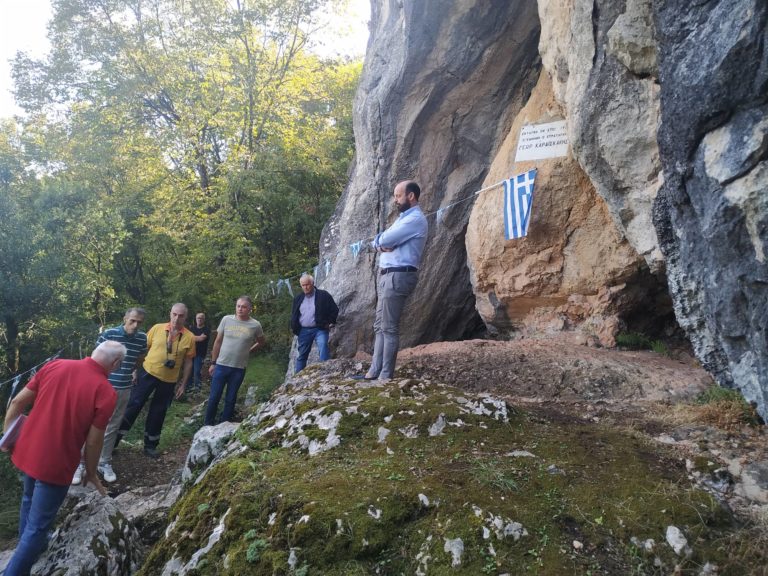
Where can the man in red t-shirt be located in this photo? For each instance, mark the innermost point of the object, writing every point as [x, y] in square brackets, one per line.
[73, 401]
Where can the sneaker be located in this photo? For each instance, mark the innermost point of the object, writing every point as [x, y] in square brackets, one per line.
[78, 476]
[151, 452]
[106, 471]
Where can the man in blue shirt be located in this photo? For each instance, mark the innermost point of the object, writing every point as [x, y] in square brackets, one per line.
[122, 380]
[401, 247]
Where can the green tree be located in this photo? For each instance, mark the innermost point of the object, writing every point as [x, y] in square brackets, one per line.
[26, 262]
[183, 150]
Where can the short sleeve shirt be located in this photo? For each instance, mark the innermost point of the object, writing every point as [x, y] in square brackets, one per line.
[71, 396]
[182, 347]
[135, 346]
[238, 337]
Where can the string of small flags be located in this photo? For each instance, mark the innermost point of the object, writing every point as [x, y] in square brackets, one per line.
[518, 200]
[16, 380]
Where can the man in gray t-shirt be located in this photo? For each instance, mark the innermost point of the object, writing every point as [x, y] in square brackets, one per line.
[236, 337]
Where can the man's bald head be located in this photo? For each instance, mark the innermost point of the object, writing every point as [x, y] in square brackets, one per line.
[406, 195]
[109, 354]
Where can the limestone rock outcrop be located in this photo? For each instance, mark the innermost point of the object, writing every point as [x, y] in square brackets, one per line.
[712, 212]
[601, 57]
[414, 476]
[655, 220]
[591, 262]
[573, 270]
[94, 538]
[441, 84]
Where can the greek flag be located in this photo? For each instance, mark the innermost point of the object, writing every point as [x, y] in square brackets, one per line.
[518, 197]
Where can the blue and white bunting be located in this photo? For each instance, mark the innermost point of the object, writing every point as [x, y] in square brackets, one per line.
[16, 382]
[327, 268]
[439, 216]
[518, 198]
[284, 282]
[355, 248]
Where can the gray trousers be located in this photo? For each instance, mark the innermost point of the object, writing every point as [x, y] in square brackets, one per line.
[123, 395]
[394, 289]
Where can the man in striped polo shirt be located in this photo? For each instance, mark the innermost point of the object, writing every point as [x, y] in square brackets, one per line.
[122, 379]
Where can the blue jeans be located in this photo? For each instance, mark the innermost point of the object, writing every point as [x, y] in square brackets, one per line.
[223, 376]
[306, 337]
[39, 504]
[197, 367]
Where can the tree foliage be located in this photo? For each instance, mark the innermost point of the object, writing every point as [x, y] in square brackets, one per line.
[171, 151]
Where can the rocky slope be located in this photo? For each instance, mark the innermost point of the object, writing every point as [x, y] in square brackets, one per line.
[656, 219]
[479, 457]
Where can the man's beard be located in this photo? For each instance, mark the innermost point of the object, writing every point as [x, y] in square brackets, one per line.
[403, 207]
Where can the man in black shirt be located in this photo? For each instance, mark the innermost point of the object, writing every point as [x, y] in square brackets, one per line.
[201, 332]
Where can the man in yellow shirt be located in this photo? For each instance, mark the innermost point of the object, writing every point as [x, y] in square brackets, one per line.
[170, 347]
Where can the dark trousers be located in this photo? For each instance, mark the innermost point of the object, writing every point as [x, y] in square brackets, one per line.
[161, 400]
[197, 376]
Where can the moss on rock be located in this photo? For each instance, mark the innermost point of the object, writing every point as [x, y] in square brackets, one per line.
[430, 479]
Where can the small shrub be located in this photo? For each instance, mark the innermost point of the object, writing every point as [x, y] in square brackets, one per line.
[255, 549]
[660, 348]
[726, 408]
[633, 341]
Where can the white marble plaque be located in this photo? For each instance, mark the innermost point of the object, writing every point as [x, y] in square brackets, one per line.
[539, 141]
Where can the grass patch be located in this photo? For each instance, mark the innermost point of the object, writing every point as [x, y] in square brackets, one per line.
[725, 408]
[266, 372]
[633, 341]
[638, 341]
[660, 348]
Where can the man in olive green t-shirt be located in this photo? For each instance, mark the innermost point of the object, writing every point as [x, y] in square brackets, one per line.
[236, 337]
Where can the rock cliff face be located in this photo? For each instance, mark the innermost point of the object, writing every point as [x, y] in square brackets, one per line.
[657, 216]
[442, 82]
[573, 270]
[712, 212]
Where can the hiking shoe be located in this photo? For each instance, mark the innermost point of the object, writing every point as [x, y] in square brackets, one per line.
[151, 452]
[78, 476]
[106, 471]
